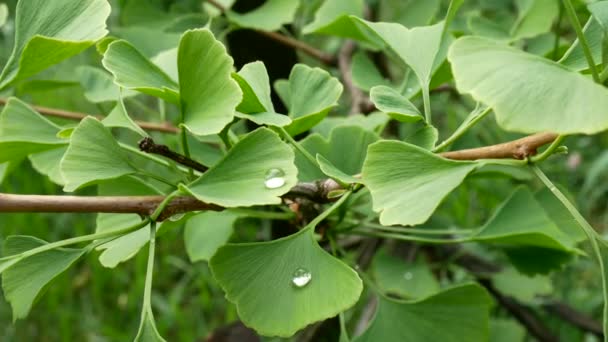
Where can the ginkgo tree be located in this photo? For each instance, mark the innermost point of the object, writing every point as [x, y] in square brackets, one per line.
[338, 165]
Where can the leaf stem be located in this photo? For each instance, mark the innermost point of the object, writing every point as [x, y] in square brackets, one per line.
[549, 151]
[407, 237]
[462, 129]
[149, 271]
[298, 147]
[581, 38]
[426, 99]
[329, 210]
[186, 149]
[75, 240]
[592, 235]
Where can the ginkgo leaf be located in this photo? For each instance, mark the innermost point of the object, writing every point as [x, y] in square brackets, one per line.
[462, 311]
[333, 17]
[207, 231]
[209, 95]
[23, 131]
[345, 150]
[23, 281]
[528, 93]
[47, 163]
[93, 154]
[48, 32]
[132, 70]
[311, 93]
[407, 183]
[256, 171]
[119, 117]
[394, 104]
[281, 286]
[270, 16]
[147, 330]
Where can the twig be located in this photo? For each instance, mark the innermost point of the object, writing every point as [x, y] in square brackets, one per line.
[291, 42]
[149, 146]
[518, 149]
[64, 114]
[574, 317]
[534, 325]
[357, 98]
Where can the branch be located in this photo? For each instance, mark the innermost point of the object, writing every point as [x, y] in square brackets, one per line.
[518, 149]
[523, 314]
[574, 317]
[64, 114]
[359, 102]
[291, 42]
[149, 146]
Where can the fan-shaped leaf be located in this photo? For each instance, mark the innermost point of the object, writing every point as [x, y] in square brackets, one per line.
[259, 279]
[209, 95]
[240, 178]
[461, 312]
[270, 16]
[23, 131]
[206, 232]
[528, 93]
[48, 32]
[407, 182]
[394, 104]
[93, 154]
[132, 70]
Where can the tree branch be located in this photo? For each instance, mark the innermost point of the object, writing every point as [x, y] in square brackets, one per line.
[325, 58]
[574, 317]
[64, 114]
[518, 149]
[149, 146]
[359, 102]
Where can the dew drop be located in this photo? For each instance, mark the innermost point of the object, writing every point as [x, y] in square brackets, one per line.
[408, 276]
[301, 277]
[275, 178]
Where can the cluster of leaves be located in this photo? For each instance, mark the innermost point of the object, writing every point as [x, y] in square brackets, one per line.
[255, 154]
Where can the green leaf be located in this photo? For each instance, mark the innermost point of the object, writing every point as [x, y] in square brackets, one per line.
[209, 95]
[47, 163]
[24, 280]
[506, 330]
[23, 131]
[206, 232]
[407, 280]
[534, 17]
[312, 92]
[528, 93]
[270, 16]
[147, 330]
[364, 72]
[118, 117]
[93, 154]
[574, 57]
[522, 221]
[407, 182]
[257, 104]
[334, 172]
[345, 150]
[424, 136]
[239, 178]
[99, 85]
[373, 122]
[460, 313]
[3, 14]
[417, 47]
[560, 215]
[333, 17]
[394, 104]
[408, 13]
[132, 70]
[522, 287]
[48, 32]
[259, 279]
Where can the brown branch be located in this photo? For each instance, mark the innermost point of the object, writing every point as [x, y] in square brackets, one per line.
[518, 149]
[149, 146]
[574, 317]
[523, 314]
[64, 114]
[291, 42]
[357, 98]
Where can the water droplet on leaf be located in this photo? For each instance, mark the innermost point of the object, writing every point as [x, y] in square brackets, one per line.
[275, 178]
[408, 276]
[301, 277]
